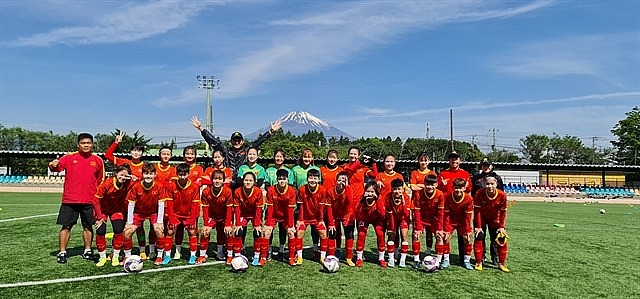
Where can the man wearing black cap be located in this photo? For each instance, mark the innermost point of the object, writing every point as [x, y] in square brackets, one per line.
[236, 155]
[486, 169]
[447, 176]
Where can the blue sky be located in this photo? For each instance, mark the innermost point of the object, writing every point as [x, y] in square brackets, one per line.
[370, 68]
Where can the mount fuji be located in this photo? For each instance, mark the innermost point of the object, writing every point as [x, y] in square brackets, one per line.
[300, 122]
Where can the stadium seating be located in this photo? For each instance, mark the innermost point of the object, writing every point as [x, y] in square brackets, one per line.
[12, 179]
[609, 192]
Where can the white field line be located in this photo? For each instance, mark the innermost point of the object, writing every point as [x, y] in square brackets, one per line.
[28, 217]
[84, 278]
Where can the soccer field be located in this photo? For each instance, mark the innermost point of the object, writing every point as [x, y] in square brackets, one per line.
[556, 250]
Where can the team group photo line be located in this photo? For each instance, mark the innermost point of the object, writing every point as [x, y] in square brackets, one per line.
[338, 203]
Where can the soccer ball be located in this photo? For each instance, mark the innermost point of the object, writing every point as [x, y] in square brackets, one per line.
[430, 263]
[239, 264]
[602, 211]
[331, 264]
[133, 264]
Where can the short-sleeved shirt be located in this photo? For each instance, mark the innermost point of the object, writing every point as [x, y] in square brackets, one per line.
[272, 178]
[164, 174]
[313, 203]
[281, 202]
[300, 174]
[184, 197]
[217, 203]
[146, 199]
[110, 198]
[83, 175]
[329, 176]
[248, 203]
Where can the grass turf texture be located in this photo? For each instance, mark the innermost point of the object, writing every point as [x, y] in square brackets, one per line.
[593, 255]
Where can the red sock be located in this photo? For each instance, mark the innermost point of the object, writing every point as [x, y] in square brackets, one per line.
[468, 249]
[332, 247]
[160, 242]
[362, 236]
[502, 253]
[349, 245]
[101, 242]
[257, 245]
[292, 248]
[391, 248]
[237, 245]
[265, 248]
[404, 247]
[478, 250]
[127, 244]
[324, 244]
[415, 246]
[299, 244]
[193, 243]
[168, 244]
[230, 243]
[117, 241]
[204, 243]
[446, 248]
[439, 248]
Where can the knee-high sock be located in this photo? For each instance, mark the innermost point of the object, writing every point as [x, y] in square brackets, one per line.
[362, 237]
[391, 248]
[117, 241]
[168, 244]
[230, 245]
[502, 253]
[478, 250]
[292, 248]
[338, 239]
[204, 245]
[468, 249]
[264, 250]
[349, 248]
[331, 250]
[140, 237]
[324, 244]
[415, 246]
[101, 243]
[193, 244]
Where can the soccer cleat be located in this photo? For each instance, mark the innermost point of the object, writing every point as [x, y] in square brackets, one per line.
[143, 256]
[263, 261]
[229, 259]
[201, 260]
[416, 265]
[495, 261]
[382, 263]
[292, 262]
[444, 264]
[350, 263]
[166, 260]
[358, 263]
[115, 262]
[220, 256]
[88, 255]
[62, 258]
[299, 260]
[504, 268]
[192, 260]
[468, 266]
[101, 262]
[177, 255]
[391, 263]
[255, 262]
[270, 254]
[478, 266]
[158, 261]
[321, 260]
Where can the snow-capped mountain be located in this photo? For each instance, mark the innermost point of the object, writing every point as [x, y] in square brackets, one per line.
[300, 122]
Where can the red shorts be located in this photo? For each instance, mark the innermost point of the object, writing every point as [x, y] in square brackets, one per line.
[116, 216]
[461, 227]
[318, 225]
[138, 219]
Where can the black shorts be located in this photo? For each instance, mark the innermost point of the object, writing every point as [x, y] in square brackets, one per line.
[68, 215]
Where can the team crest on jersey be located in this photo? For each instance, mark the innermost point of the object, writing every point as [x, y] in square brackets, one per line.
[75, 161]
[93, 163]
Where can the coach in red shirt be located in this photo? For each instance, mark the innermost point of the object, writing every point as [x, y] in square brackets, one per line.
[84, 171]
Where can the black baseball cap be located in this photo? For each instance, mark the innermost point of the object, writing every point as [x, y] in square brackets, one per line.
[453, 155]
[235, 135]
[486, 161]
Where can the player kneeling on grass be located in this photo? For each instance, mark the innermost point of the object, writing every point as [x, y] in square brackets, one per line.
[217, 211]
[458, 209]
[147, 200]
[281, 203]
[398, 217]
[342, 206]
[186, 210]
[490, 207]
[110, 202]
[248, 205]
[312, 206]
[428, 207]
[370, 211]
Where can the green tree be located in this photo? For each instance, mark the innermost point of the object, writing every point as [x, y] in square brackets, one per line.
[504, 156]
[535, 148]
[628, 132]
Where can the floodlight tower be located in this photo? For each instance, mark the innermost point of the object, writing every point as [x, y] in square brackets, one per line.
[208, 83]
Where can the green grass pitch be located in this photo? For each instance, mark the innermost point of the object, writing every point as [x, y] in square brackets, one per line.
[593, 256]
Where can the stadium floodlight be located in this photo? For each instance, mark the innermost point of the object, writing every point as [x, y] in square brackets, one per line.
[208, 83]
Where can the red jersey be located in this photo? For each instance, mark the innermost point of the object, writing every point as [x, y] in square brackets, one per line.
[280, 206]
[458, 211]
[386, 179]
[447, 176]
[136, 168]
[110, 199]
[490, 210]
[146, 200]
[217, 205]
[397, 214]
[329, 176]
[312, 204]
[417, 176]
[357, 173]
[164, 174]
[342, 204]
[373, 212]
[249, 205]
[83, 174]
[228, 173]
[195, 173]
[428, 209]
[186, 199]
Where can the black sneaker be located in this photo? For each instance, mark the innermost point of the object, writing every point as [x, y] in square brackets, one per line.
[88, 255]
[495, 261]
[62, 258]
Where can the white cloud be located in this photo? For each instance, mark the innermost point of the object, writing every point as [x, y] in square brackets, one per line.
[129, 23]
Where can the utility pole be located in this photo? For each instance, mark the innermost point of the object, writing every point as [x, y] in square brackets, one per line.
[427, 129]
[473, 139]
[208, 83]
[493, 143]
[593, 146]
[451, 126]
